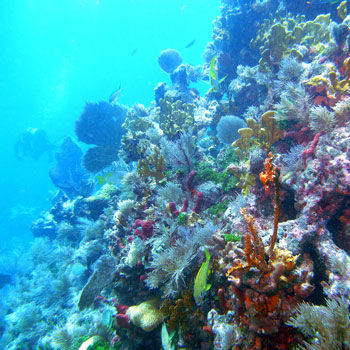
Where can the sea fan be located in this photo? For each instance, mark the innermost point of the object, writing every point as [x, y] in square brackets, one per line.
[100, 124]
[180, 154]
[321, 119]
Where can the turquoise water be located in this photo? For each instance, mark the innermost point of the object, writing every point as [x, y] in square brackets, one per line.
[56, 55]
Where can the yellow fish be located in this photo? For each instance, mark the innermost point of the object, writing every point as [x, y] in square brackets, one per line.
[200, 283]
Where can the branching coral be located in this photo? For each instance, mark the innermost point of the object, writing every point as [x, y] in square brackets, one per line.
[175, 117]
[152, 165]
[263, 133]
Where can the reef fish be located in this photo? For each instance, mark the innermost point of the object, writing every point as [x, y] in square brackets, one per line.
[213, 78]
[190, 43]
[200, 283]
[320, 2]
[89, 342]
[115, 95]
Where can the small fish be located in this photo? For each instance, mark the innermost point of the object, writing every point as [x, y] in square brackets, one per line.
[90, 341]
[213, 78]
[115, 95]
[104, 179]
[200, 283]
[134, 51]
[190, 43]
[320, 2]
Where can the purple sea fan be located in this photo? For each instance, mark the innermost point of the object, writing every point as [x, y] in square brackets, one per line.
[100, 124]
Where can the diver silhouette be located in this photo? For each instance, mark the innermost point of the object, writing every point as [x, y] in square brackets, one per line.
[33, 143]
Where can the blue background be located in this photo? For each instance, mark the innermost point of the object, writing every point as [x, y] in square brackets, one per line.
[58, 54]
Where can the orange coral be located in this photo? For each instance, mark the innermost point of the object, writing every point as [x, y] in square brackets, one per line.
[255, 255]
[271, 175]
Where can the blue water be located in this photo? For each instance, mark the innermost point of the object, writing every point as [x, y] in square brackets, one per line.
[58, 54]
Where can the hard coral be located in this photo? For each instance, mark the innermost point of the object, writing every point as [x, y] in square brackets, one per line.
[146, 315]
[175, 117]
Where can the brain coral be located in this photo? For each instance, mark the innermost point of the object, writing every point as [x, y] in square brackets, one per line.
[146, 315]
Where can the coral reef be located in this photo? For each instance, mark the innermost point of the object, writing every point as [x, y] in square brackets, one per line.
[255, 174]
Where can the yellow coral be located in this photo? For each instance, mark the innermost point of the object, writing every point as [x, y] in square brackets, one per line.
[175, 117]
[263, 134]
[341, 10]
[146, 315]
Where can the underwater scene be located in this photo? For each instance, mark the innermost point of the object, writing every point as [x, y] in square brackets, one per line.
[176, 175]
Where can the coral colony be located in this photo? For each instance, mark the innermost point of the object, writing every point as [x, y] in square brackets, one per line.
[217, 222]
